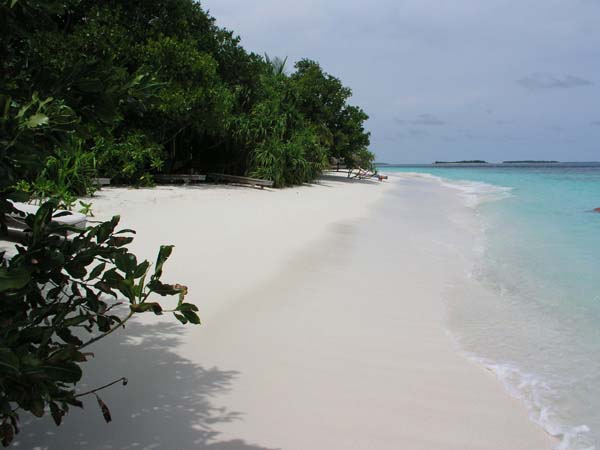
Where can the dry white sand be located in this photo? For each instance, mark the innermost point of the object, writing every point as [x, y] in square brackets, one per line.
[323, 328]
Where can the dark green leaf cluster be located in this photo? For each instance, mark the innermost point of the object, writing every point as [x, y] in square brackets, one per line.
[65, 289]
[146, 86]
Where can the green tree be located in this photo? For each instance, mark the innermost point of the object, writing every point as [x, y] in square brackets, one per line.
[323, 100]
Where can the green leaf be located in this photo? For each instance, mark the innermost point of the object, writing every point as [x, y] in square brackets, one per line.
[84, 258]
[5, 407]
[192, 317]
[90, 85]
[120, 241]
[66, 335]
[62, 214]
[96, 271]
[127, 289]
[181, 318]
[162, 288]
[105, 287]
[141, 269]
[74, 321]
[187, 307]
[29, 360]
[104, 230]
[65, 354]
[37, 407]
[9, 362]
[126, 230]
[57, 413]
[144, 307]
[112, 277]
[13, 278]
[19, 196]
[66, 372]
[36, 334]
[104, 409]
[103, 324]
[42, 217]
[37, 120]
[73, 401]
[7, 434]
[76, 270]
[163, 254]
[126, 262]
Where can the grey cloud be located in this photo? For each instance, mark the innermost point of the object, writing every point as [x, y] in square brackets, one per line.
[463, 134]
[422, 120]
[453, 60]
[549, 81]
[413, 133]
[449, 139]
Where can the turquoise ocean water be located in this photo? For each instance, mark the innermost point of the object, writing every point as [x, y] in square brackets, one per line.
[538, 326]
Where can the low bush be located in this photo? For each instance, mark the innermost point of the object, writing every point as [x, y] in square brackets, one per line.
[298, 160]
[58, 297]
[67, 173]
[129, 160]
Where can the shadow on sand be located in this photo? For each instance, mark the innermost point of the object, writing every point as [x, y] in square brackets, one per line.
[166, 405]
[324, 179]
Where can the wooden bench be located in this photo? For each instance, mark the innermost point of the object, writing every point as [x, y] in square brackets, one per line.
[102, 182]
[177, 178]
[254, 182]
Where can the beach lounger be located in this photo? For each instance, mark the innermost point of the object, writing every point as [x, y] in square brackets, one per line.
[363, 174]
[17, 222]
[102, 182]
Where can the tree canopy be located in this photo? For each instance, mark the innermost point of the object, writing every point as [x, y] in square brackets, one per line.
[126, 90]
[155, 85]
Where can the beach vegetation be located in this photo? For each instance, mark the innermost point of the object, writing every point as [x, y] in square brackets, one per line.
[58, 297]
[154, 86]
[127, 90]
[467, 161]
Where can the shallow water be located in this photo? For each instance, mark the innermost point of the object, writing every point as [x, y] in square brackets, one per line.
[531, 310]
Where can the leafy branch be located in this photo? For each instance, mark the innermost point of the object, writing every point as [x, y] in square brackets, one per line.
[62, 284]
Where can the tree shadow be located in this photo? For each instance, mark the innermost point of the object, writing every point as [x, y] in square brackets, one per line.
[325, 179]
[167, 403]
[203, 186]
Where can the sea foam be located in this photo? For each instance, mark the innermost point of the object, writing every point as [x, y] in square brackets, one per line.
[542, 392]
[474, 193]
[539, 399]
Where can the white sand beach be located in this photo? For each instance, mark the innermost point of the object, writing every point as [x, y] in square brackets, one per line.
[324, 318]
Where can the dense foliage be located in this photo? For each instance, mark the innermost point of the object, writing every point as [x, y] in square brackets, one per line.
[59, 296]
[128, 89]
[145, 86]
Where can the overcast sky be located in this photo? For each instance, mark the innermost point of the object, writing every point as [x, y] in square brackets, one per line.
[447, 80]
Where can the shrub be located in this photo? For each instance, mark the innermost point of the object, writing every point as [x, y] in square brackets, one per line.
[129, 160]
[67, 173]
[59, 296]
[298, 160]
[30, 130]
[268, 162]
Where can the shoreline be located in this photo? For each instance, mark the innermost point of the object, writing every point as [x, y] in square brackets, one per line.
[312, 334]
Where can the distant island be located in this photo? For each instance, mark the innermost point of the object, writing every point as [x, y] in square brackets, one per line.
[472, 161]
[529, 161]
